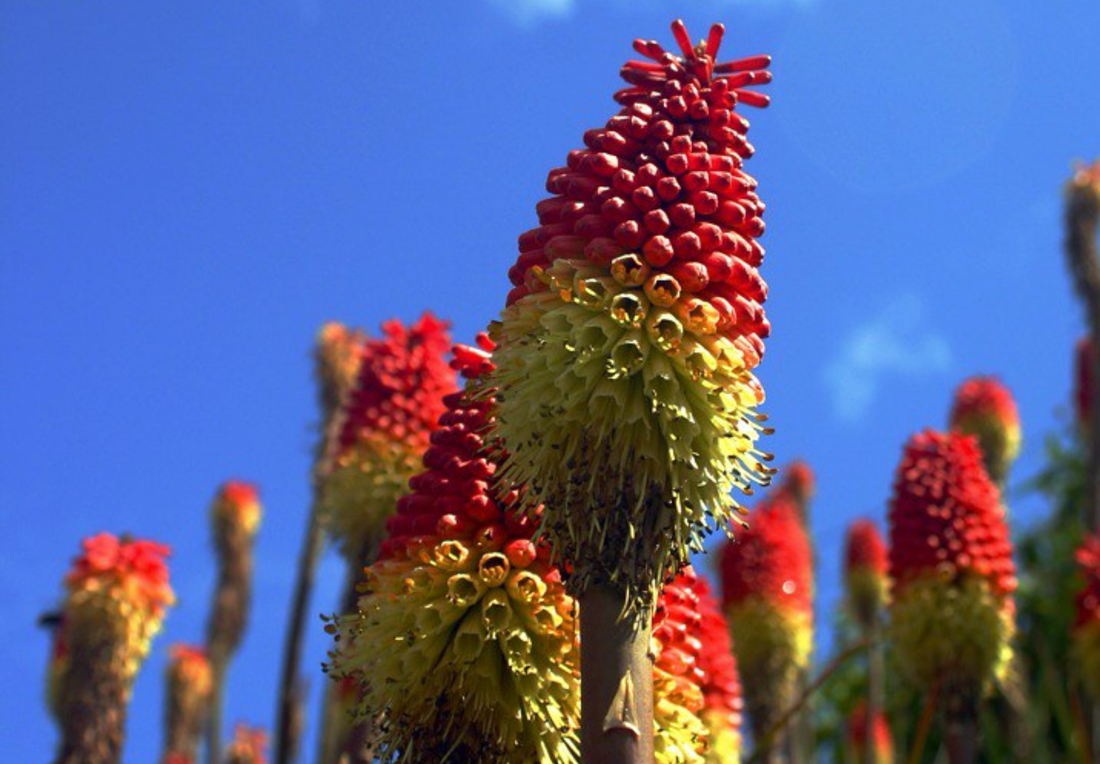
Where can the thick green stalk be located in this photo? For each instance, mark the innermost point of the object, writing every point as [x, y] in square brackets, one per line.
[616, 679]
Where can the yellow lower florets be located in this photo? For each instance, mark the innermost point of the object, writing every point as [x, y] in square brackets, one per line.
[361, 490]
[951, 632]
[679, 735]
[629, 417]
[772, 645]
[723, 742]
[459, 649]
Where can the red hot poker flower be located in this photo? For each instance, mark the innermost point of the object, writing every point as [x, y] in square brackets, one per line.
[984, 407]
[951, 618]
[946, 515]
[384, 427]
[722, 703]
[881, 741]
[132, 567]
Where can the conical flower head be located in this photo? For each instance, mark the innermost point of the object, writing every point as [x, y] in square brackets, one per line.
[626, 347]
[767, 580]
[117, 592]
[383, 428]
[464, 637]
[798, 483]
[248, 746]
[951, 617]
[984, 407]
[1083, 361]
[865, 571]
[722, 703]
[879, 739]
[1086, 623]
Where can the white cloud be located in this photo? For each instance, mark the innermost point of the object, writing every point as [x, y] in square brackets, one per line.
[529, 12]
[896, 343]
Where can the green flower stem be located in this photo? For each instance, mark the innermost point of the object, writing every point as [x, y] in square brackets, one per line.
[616, 679]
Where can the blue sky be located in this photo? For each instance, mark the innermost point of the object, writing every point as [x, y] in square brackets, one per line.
[188, 190]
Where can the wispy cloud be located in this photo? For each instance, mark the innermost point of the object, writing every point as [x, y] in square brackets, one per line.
[530, 12]
[896, 343]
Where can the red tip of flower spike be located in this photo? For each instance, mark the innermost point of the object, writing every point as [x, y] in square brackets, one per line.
[770, 558]
[864, 548]
[239, 492]
[946, 515]
[1084, 360]
[662, 183]
[454, 497]
[399, 390]
[1088, 598]
[137, 563]
[984, 397]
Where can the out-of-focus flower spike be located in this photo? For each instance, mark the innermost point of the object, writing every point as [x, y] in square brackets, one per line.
[865, 572]
[117, 592]
[188, 682]
[248, 746]
[234, 518]
[767, 581]
[1086, 622]
[951, 614]
[857, 737]
[337, 353]
[721, 684]
[464, 639]
[383, 428]
[984, 407]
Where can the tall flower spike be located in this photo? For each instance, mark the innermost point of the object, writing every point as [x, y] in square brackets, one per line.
[798, 483]
[984, 407]
[767, 580]
[626, 347]
[117, 594]
[865, 572]
[1086, 622]
[338, 353]
[951, 615]
[188, 684]
[464, 638]
[234, 518]
[383, 429]
[879, 739]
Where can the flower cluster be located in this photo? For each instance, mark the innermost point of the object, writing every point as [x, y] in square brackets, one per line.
[1086, 623]
[865, 571]
[798, 484]
[464, 638]
[951, 618]
[118, 592]
[767, 579]
[984, 407]
[880, 740]
[383, 428]
[234, 518]
[189, 681]
[248, 746]
[626, 347]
